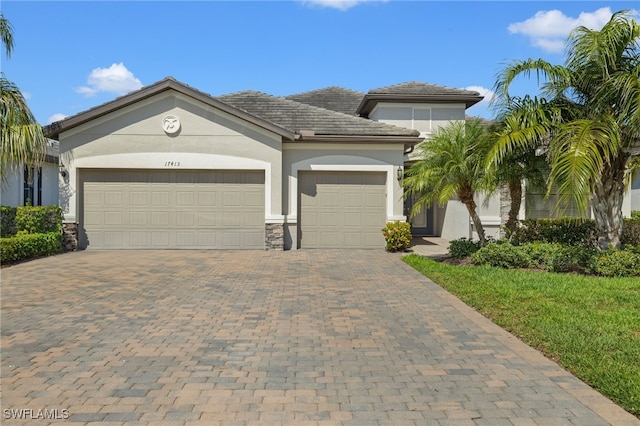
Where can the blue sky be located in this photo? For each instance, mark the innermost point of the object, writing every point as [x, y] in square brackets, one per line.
[71, 56]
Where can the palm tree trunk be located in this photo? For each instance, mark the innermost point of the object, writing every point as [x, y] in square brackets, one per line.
[515, 193]
[607, 198]
[466, 197]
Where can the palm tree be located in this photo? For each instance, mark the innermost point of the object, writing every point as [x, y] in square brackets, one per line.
[591, 119]
[519, 166]
[449, 165]
[22, 138]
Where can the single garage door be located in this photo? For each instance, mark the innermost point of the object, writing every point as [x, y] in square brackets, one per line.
[342, 209]
[183, 209]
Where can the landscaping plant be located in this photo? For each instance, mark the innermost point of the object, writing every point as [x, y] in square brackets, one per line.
[397, 236]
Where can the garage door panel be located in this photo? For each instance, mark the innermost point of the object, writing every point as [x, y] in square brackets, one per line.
[207, 239]
[329, 219]
[137, 218]
[138, 198]
[353, 199]
[231, 198]
[93, 218]
[160, 198]
[342, 209]
[207, 198]
[113, 218]
[176, 209]
[159, 239]
[159, 218]
[185, 198]
[353, 219]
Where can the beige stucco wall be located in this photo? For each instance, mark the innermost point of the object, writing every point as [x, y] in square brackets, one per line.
[133, 138]
[401, 114]
[298, 157]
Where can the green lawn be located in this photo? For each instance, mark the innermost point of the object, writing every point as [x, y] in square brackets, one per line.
[589, 325]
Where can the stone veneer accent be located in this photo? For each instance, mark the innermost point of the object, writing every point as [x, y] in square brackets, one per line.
[274, 236]
[69, 236]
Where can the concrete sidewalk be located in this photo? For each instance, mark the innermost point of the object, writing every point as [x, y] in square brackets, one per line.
[429, 246]
[254, 337]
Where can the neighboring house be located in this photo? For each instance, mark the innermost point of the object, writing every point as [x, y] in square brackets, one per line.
[33, 186]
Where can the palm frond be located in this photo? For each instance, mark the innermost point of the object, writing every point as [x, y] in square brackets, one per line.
[21, 137]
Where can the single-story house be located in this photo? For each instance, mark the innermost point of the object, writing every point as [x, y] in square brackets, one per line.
[169, 166]
[36, 186]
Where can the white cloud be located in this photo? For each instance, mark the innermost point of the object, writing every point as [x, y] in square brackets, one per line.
[26, 95]
[487, 93]
[56, 117]
[337, 4]
[549, 29]
[115, 79]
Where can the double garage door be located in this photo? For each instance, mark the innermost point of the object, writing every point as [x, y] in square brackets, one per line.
[209, 209]
[157, 209]
[342, 209]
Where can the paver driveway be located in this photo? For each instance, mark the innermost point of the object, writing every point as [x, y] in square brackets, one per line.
[181, 337]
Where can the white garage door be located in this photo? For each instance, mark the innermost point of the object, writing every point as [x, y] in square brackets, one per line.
[342, 209]
[157, 209]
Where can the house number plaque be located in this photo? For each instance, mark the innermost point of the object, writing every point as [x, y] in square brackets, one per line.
[170, 124]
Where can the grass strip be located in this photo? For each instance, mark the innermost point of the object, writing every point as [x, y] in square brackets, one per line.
[589, 325]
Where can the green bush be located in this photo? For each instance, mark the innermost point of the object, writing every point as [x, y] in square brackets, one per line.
[39, 220]
[26, 246]
[555, 257]
[568, 231]
[617, 263]
[8, 221]
[631, 233]
[397, 235]
[503, 255]
[635, 215]
[463, 247]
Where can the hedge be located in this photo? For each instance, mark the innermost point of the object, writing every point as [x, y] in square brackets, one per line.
[568, 231]
[39, 219]
[8, 221]
[30, 231]
[26, 246]
[572, 232]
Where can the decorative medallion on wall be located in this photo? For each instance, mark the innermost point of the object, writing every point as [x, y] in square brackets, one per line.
[171, 124]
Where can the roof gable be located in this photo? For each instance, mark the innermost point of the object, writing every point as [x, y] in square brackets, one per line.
[417, 92]
[53, 130]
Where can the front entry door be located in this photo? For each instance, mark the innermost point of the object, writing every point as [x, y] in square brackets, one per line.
[422, 222]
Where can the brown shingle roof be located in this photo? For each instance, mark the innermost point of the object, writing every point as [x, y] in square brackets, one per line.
[332, 98]
[301, 118]
[417, 88]
[415, 92]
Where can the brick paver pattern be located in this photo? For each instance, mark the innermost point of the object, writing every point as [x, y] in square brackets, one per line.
[253, 337]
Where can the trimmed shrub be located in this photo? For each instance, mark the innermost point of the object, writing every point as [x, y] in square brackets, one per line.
[463, 247]
[503, 255]
[39, 220]
[568, 231]
[397, 235]
[8, 221]
[26, 246]
[617, 263]
[635, 215]
[555, 257]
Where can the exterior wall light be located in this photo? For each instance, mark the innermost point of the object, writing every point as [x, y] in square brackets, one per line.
[400, 173]
[63, 171]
